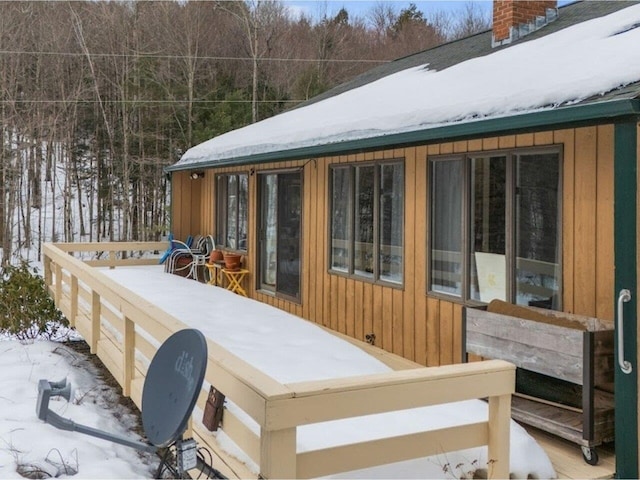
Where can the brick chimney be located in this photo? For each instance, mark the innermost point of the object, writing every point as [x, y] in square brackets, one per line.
[513, 19]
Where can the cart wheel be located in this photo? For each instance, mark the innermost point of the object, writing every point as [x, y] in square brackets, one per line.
[590, 455]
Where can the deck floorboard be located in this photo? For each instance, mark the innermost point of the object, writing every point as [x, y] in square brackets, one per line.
[567, 457]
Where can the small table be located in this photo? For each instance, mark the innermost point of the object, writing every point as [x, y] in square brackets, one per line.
[215, 273]
[235, 278]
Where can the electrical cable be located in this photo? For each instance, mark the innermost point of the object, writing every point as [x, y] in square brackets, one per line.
[203, 465]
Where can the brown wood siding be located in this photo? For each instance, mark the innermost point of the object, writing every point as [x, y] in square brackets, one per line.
[407, 321]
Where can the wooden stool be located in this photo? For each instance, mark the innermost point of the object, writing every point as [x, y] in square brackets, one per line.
[235, 278]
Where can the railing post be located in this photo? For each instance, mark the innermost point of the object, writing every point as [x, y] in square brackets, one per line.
[58, 286]
[112, 259]
[278, 453]
[95, 321]
[74, 301]
[47, 271]
[499, 436]
[128, 356]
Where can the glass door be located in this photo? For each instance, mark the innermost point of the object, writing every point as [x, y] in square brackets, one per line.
[280, 229]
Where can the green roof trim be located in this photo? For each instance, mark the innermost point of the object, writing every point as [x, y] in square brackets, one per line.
[567, 116]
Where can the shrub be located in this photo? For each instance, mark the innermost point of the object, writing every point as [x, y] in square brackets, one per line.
[26, 309]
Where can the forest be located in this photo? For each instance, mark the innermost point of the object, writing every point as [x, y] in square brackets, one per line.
[97, 98]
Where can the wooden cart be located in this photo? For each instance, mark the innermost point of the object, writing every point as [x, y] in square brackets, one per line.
[565, 368]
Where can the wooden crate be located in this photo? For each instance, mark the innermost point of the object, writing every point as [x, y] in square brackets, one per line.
[574, 352]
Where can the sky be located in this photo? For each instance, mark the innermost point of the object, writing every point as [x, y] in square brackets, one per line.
[316, 8]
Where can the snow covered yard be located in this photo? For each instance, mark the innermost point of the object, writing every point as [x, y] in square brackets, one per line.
[38, 450]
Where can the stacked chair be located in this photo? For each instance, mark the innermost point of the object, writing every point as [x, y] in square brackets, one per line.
[188, 258]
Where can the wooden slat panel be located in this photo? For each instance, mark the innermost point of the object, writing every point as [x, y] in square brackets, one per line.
[367, 309]
[566, 138]
[446, 332]
[543, 336]
[604, 223]
[585, 222]
[358, 305]
[457, 333]
[508, 141]
[433, 332]
[407, 295]
[421, 331]
[524, 140]
[350, 305]
[387, 319]
[341, 300]
[397, 321]
[474, 145]
[377, 315]
[543, 138]
[490, 143]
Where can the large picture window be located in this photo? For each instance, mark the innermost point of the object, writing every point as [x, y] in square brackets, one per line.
[495, 227]
[367, 220]
[231, 211]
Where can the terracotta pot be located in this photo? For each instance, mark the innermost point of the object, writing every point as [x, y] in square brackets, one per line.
[216, 256]
[232, 261]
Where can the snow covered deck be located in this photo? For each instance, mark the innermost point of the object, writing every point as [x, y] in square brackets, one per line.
[301, 402]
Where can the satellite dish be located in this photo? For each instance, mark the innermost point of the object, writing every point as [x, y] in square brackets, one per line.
[172, 386]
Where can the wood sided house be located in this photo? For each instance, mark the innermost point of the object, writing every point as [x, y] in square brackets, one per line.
[502, 165]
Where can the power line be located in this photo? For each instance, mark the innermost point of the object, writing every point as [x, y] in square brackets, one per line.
[190, 57]
[152, 102]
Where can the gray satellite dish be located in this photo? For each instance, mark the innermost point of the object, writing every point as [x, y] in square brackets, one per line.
[171, 388]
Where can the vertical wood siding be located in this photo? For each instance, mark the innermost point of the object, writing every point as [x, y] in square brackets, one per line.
[406, 320]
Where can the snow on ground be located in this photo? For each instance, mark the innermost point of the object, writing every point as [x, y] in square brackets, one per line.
[581, 61]
[290, 349]
[28, 443]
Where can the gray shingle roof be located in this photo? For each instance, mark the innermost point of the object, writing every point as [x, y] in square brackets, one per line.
[457, 51]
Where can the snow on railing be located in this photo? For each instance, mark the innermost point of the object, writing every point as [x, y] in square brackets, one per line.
[124, 331]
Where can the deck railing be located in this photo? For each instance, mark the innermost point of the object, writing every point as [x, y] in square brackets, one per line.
[125, 330]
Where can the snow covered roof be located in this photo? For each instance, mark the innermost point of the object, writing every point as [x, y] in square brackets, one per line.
[593, 61]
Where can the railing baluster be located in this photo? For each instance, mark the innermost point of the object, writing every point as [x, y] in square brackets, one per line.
[128, 356]
[278, 453]
[95, 321]
[74, 301]
[499, 436]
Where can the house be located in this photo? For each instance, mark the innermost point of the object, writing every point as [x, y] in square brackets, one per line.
[502, 165]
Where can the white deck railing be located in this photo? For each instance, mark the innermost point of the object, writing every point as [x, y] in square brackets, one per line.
[124, 330]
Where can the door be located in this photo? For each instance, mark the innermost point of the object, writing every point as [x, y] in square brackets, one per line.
[626, 293]
[280, 229]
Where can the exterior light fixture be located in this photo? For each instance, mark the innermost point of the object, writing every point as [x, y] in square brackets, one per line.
[196, 175]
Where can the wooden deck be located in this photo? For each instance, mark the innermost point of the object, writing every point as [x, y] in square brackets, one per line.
[91, 300]
[567, 457]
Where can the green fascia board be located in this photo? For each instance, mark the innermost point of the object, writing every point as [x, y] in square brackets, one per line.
[552, 118]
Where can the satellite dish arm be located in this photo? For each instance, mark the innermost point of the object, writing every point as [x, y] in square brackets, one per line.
[45, 392]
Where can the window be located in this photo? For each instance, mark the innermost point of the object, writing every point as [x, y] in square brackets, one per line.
[367, 220]
[280, 221]
[495, 227]
[232, 193]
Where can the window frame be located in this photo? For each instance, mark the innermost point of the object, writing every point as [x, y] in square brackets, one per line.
[511, 155]
[351, 272]
[222, 212]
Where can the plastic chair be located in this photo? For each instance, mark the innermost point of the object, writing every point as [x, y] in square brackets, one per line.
[187, 261]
